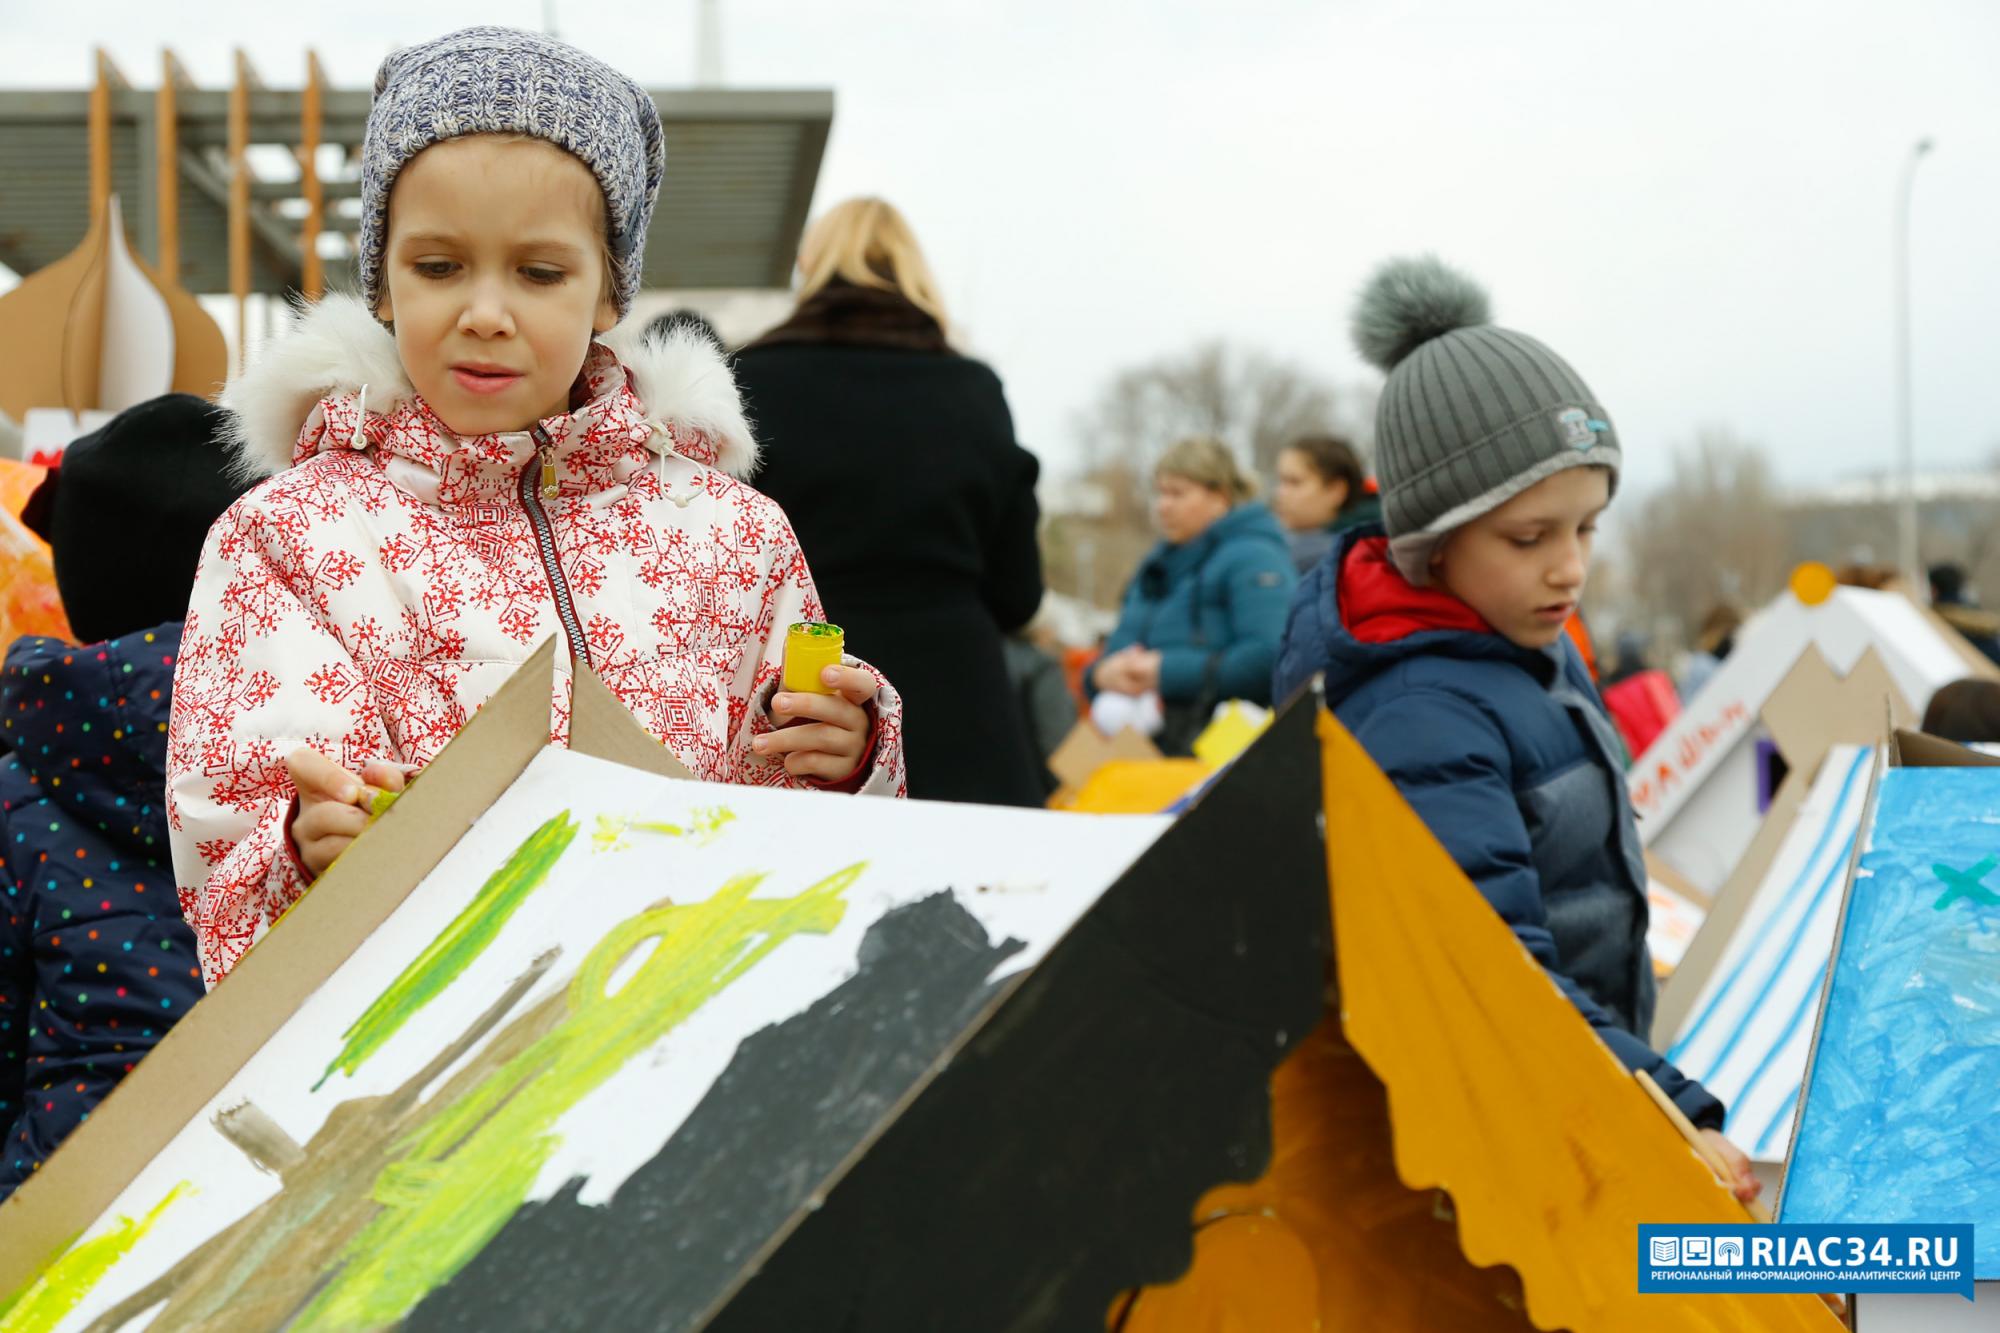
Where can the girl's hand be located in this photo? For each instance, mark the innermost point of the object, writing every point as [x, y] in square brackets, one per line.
[333, 804]
[1744, 1184]
[822, 736]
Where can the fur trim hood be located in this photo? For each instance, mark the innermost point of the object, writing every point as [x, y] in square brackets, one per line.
[337, 346]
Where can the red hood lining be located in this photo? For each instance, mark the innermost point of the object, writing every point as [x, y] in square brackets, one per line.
[1379, 605]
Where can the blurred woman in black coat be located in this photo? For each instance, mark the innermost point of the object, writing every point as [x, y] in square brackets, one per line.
[895, 459]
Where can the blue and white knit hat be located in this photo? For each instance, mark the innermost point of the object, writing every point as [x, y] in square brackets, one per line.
[503, 81]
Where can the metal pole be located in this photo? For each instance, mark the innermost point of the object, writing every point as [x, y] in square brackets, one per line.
[1913, 571]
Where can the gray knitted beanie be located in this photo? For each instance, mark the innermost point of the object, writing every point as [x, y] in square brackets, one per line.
[1472, 414]
[501, 81]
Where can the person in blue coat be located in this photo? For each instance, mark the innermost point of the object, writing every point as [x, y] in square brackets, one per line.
[1202, 616]
[1439, 637]
[96, 963]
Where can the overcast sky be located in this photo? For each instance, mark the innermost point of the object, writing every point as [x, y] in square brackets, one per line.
[1693, 203]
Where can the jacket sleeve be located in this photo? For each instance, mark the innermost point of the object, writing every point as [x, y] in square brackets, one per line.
[1123, 635]
[259, 675]
[1450, 762]
[1256, 588]
[1301, 648]
[1011, 582]
[789, 596]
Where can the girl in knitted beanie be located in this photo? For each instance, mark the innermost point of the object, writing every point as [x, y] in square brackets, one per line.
[466, 460]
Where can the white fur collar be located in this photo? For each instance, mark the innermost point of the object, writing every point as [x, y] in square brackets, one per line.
[336, 346]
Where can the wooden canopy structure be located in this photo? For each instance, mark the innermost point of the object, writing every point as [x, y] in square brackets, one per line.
[256, 188]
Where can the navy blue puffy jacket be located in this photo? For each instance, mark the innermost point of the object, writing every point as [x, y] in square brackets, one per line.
[95, 961]
[1509, 757]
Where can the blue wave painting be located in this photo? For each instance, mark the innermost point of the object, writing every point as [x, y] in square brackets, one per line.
[1902, 1111]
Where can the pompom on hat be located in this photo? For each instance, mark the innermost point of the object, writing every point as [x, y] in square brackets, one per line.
[502, 81]
[1472, 414]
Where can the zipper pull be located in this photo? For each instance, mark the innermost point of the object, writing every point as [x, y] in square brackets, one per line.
[550, 490]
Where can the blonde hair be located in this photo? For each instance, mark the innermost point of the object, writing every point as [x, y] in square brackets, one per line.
[866, 242]
[1209, 462]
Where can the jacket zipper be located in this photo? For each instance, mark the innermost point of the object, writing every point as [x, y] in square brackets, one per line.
[534, 489]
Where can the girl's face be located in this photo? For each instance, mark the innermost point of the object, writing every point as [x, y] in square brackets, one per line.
[1304, 500]
[1185, 507]
[496, 279]
[1523, 565]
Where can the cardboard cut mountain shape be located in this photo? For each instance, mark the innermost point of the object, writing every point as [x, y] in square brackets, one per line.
[1501, 1105]
[1695, 788]
[562, 1043]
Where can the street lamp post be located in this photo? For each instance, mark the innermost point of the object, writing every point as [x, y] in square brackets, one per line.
[1907, 533]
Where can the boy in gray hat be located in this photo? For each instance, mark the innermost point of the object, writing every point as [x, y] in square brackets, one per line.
[467, 461]
[1441, 638]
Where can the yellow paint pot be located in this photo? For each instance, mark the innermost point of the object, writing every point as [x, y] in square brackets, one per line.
[811, 646]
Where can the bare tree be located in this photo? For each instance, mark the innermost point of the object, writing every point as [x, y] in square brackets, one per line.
[1718, 532]
[1255, 402]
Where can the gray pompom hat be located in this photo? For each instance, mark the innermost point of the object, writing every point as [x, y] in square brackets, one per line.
[1472, 414]
[502, 81]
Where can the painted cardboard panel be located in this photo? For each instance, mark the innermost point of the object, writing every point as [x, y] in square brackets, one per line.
[1811, 711]
[548, 1007]
[1498, 1092]
[1749, 1034]
[1708, 742]
[1897, 1123]
[629, 1016]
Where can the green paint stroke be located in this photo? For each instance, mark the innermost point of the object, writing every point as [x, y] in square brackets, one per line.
[704, 825]
[466, 1169]
[460, 943]
[63, 1285]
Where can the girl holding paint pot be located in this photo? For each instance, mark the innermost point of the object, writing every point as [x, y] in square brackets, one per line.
[467, 461]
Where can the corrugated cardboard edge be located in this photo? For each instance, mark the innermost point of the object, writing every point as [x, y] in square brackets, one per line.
[1882, 759]
[207, 1047]
[601, 726]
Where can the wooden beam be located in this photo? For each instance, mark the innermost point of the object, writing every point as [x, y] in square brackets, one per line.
[167, 153]
[239, 201]
[312, 277]
[101, 88]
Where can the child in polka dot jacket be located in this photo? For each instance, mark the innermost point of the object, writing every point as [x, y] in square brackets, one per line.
[468, 460]
[95, 961]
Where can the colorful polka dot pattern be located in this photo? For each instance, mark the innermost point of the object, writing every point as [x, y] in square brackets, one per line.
[95, 961]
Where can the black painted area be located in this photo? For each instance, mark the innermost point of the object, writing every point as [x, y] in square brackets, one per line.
[1057, 1160]
[1053, 1163]
[793, 1103]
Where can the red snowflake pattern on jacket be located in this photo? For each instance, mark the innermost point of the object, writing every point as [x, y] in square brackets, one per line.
[367, 600]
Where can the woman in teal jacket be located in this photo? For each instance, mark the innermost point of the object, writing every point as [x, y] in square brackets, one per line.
[1204, 613]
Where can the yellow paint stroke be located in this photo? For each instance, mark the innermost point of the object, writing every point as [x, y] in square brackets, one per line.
[63, 1284]
[1499, 1093]
[704, 825]
[470, 1164]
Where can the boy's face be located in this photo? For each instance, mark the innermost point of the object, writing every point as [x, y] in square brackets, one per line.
[1522, 566]
[495, 278]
